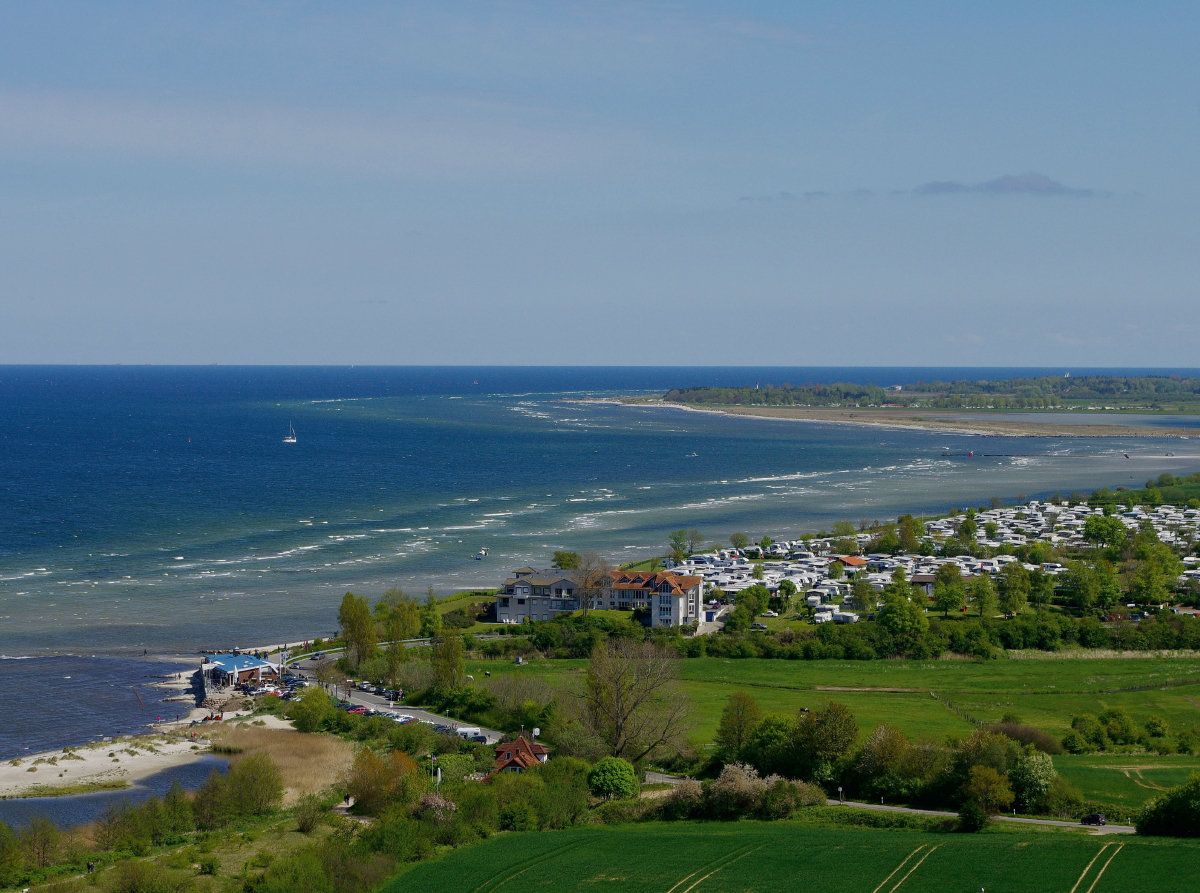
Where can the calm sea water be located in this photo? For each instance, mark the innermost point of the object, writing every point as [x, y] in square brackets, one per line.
[157, 509]
[82, 808]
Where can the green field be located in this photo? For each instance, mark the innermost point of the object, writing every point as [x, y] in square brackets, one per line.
[1122, 780]
[1044, 693]
[752, 856]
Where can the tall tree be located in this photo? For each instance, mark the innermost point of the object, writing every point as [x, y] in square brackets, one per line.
[863, 597]
[431, 617]
[982, 595]
[739, 541]
[822, 736]
[1014, 588]
[739, 720]
[949, 592]
[403, 621]
[358, 628]
[695, 539]
[446, 662]
[567, 561]
[631, 700]
[594, 577]
[678, 543]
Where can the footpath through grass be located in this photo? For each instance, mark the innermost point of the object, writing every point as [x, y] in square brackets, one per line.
[782, 857]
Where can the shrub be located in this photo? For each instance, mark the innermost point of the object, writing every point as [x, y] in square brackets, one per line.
[135, 876]
[613, 777]
[972, 818]
[1061, 800]
[621, 812]
[308, 813]
[988, 789]
[436, 808]
[1043, 741]
[784, 797]
[1174, 814]
[376, 782]
[685, 800]
[1032, 776]
[257, 784]
[738, 790]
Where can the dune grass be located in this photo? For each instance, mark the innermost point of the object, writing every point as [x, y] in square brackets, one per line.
[309, 762]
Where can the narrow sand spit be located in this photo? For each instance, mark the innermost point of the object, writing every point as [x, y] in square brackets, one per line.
[108, 764]
[927, 420]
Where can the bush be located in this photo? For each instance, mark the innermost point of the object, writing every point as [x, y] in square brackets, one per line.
[1043, 741]
[621, 812]
[738, 791]
[309, 812]
[257, 784]
[1032, 776]
[785, 797]
[135, 876]
[1061, 800]
[613, 777]
[377, 782]
[684, 801]
[1176, 813]
[972, 818]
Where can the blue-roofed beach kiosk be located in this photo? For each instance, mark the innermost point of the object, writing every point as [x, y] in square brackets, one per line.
[220, 670]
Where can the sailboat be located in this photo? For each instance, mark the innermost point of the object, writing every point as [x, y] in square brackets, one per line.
[291, 438]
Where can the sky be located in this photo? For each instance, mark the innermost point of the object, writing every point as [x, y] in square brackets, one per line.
[600, 183]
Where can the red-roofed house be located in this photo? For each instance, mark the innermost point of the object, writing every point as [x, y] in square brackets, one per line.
[519, 755]
[672, 599]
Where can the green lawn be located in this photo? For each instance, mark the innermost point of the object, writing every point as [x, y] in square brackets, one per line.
[752, 856]
[1043, 693]
[1125, 780]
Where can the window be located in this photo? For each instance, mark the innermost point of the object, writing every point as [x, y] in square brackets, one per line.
[664, 599]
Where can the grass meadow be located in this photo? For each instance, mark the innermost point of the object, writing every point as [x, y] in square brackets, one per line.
[1044, 693]
[745, 856]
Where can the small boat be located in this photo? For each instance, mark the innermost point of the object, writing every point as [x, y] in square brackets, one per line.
[291, 438]
[482, 554]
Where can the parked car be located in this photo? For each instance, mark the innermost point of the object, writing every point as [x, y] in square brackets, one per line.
[1096, 818]
[360, 710]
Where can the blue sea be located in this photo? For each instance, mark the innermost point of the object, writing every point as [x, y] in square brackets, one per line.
[156, 511]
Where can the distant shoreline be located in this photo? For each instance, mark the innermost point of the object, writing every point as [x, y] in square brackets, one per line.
[886, 418]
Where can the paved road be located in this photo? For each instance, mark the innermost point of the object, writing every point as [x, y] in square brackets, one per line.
[307, 668]
[1092, 829]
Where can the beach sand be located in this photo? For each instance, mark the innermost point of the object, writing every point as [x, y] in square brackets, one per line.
[102, 765]
[928, 420]
[122, 761]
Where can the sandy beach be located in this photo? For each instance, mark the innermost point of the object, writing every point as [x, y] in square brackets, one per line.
[935, 420]
[101, 765]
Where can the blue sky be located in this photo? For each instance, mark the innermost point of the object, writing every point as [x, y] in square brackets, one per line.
[609, 183]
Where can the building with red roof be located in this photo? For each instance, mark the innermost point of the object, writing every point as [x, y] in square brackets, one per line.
[519, 755]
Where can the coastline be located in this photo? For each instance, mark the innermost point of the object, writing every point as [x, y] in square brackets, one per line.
[100, 766]
[906, 419]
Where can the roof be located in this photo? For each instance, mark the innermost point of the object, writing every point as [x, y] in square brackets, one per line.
[236, 663]
[540, 578]
[679, 583]
[852, 560]
[520, 754]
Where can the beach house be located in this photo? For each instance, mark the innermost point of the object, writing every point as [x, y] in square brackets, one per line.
[519, 755]
[531, 594]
